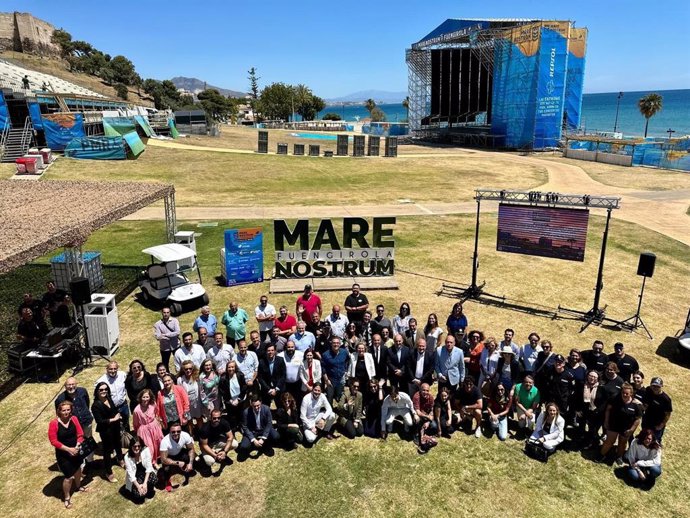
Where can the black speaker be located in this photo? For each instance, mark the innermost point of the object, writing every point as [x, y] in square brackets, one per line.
[645, 267]
[374, 145]
[343, 145]
[81, 291]
[263, 142]
[391, 147]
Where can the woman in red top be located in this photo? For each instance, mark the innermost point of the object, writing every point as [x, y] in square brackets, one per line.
[65, 434]
[475, 348]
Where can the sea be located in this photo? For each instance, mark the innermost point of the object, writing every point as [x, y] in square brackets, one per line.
[598, 113]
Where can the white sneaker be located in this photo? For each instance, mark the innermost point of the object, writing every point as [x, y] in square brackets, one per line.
[478, 432]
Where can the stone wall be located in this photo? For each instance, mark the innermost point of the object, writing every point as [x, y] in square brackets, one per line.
[22, 32]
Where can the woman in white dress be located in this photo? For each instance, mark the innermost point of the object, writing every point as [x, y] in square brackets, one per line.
[189, 381]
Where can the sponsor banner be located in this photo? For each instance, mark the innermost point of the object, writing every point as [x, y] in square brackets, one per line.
[244, 256]
[553, 63]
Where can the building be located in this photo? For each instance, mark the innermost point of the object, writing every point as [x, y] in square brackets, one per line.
[23, 32]
[500, 83]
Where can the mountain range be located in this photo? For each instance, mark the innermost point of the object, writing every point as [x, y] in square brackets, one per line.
[380, 96]
[192, 84]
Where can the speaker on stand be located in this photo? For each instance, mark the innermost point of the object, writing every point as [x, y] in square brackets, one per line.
[81, 294]
[645, 268]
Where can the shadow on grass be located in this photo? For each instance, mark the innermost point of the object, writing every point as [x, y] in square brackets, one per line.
[53, 488]
[670, 349]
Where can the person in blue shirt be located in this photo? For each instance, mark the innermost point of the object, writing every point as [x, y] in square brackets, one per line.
[334, 363]
[456, 323]
[450, 365]
[205, 320]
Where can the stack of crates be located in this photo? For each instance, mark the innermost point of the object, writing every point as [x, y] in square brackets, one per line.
[358, 149]
[343, 145]
[298, 149]
[263, 142]
[314, 150]
[93, 270]
[374, 145]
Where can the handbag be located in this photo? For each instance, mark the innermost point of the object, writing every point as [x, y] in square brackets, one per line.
[125, 436]
[87, 447]
[537, 451]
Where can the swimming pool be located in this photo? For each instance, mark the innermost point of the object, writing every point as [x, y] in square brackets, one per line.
[317, 136]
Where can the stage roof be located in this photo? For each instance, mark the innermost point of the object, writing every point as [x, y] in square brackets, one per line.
[40, 216]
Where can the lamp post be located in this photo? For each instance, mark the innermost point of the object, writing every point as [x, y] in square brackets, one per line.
[670, 133]
[618, 105]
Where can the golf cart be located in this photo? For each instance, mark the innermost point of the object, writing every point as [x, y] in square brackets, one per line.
[166, 280]
[684, 339]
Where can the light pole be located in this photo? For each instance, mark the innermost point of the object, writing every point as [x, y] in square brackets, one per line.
[670, 133]
[618, 105]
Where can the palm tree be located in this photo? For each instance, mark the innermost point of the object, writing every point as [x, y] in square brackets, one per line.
[406, 105]
[370, 105]
[649, 105]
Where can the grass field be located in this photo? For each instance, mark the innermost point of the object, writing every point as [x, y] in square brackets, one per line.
[215, 179]
[460, 476]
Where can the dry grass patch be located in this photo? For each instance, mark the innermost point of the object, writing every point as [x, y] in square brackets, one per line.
[203, 178]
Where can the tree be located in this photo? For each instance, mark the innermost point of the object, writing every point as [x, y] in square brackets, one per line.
[370, 105]
[164, 93]
[63, 39]
[331, 117]
[254, 91]
[649, 105]
[306, 103]
[406, 105]
[122, 91]
[216, 106]
[275, 101]
[378, 115]
[123, 70]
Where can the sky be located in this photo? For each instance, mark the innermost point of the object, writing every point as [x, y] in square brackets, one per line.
[337, 48]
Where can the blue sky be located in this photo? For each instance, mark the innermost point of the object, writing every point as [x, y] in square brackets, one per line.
[337, 47]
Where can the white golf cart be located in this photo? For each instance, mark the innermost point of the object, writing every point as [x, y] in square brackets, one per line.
[684, 339]
[166, 278]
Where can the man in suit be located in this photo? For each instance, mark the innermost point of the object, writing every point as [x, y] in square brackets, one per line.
[257, 430]
[420, 367]
[450, 365]
[380, 355]
[398, 358]
[272, 374]
[412, 334]
[369, 329]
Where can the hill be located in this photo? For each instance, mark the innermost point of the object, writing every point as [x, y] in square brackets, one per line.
[192, 84]
[380, 96]
[58, 68]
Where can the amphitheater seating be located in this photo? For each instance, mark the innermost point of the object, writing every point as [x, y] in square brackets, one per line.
[11, 76]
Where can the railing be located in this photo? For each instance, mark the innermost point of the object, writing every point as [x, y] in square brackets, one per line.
[27, 134]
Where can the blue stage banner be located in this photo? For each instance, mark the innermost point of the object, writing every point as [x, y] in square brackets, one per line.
[577, 45]
[553, 63]
[4, 114]
[244, 256]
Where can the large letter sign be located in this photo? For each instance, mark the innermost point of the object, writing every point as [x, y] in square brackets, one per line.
[362, 250]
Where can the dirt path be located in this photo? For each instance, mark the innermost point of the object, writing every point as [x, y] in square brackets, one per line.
[661, 211]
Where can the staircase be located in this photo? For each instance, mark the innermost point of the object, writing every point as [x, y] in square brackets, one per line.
[16, 142]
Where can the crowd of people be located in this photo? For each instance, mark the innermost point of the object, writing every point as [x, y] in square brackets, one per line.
[38, 316]
[304, 376]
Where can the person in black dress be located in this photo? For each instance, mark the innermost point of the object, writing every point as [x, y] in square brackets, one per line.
[65, 434]
[137, 380]
[108, 422]
[373, 400]
[288, 421]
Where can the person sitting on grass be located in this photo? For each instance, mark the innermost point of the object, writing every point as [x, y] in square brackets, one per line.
[65, 434]
[423, 403]
[526, 398]
[550, 429]
[257, 430]
[140, 477]
[349, 410]
[317, 415]
[644, 459]
[177, 455]
[373, 399]
[288, 421]
[216, 439]
[468, 404]
[397, 404]
[498, 409]
[443, 414]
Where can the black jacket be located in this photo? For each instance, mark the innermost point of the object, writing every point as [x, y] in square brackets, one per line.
[394, 364]
[382, 363]
[428, 368]
[225, 388]
[102, 414]
[270, 381]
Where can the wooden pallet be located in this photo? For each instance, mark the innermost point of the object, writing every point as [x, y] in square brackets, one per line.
[332, 284]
